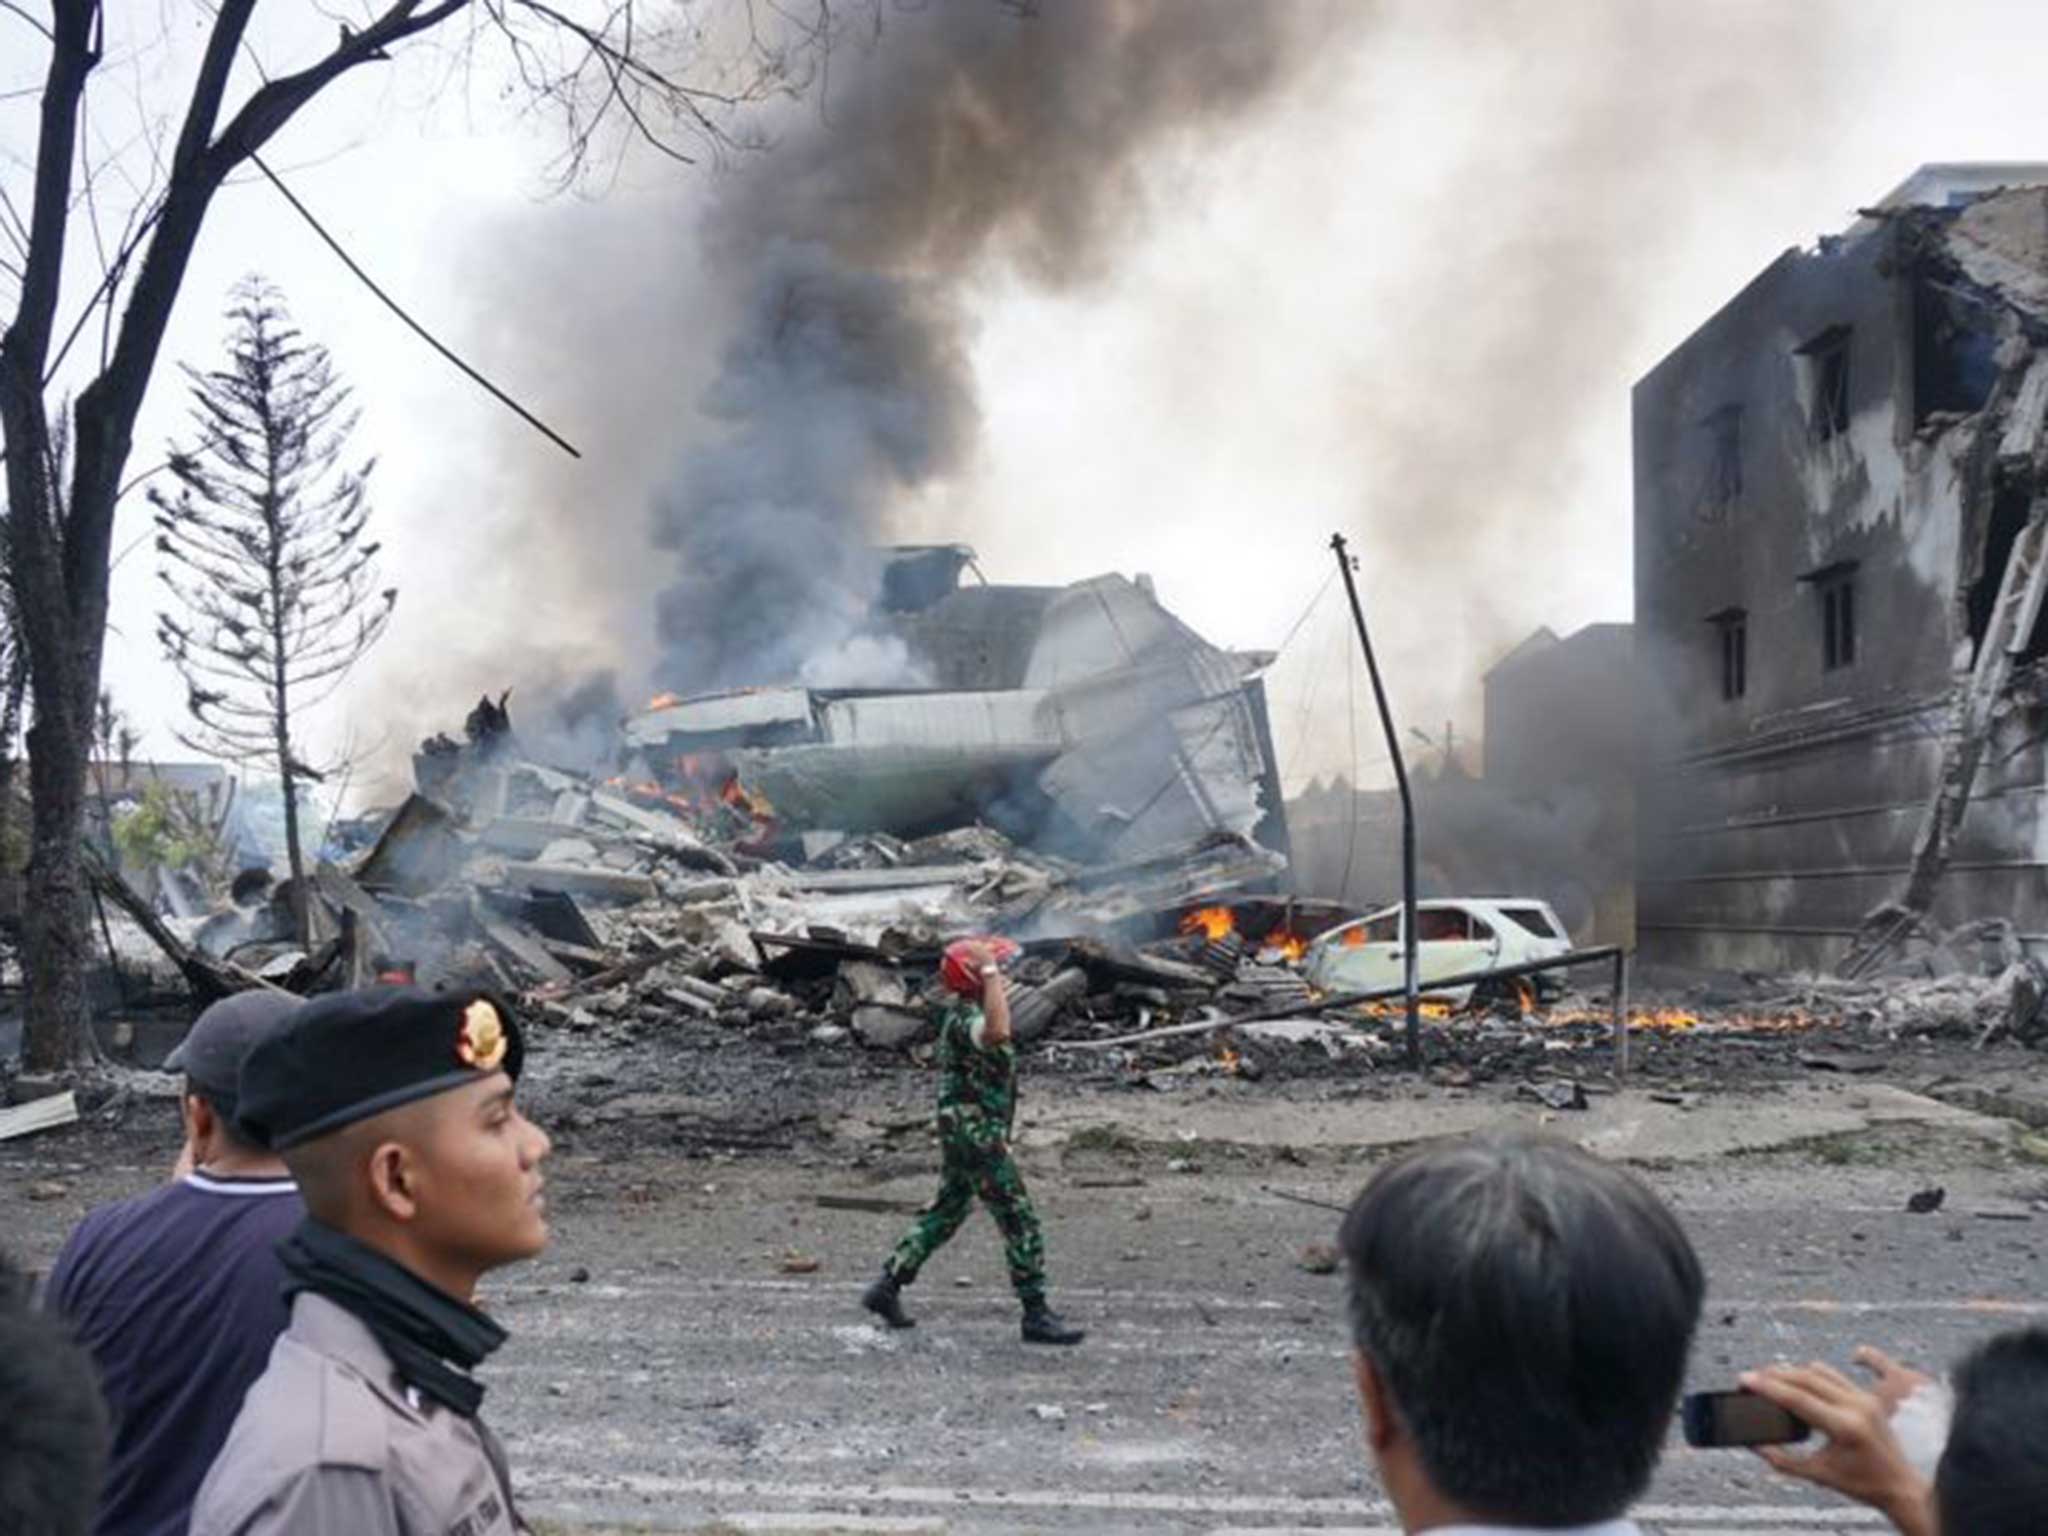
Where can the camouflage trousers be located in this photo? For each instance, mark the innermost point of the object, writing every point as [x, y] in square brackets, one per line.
[985, 1169]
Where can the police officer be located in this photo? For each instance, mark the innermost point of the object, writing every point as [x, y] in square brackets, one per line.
[393, 1108]
[977, 1106]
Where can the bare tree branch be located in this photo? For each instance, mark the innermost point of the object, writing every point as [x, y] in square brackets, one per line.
[591, 62]
[13, 9]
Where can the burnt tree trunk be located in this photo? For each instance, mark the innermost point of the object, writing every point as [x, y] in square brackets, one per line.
[60, 523]
[16, 691]
[61, 536]
[287, 770]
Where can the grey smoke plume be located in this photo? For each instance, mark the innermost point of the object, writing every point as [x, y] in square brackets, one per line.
[960, 134]
[842, 388]
[1484, 325]
[1619, 134]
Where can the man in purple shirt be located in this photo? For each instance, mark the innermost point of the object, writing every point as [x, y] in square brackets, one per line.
[178, 1294]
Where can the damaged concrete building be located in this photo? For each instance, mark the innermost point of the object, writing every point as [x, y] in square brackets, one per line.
[1841, 545]
[1083, 720]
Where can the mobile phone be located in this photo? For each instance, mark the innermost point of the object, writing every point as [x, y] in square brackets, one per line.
[1738, 1418]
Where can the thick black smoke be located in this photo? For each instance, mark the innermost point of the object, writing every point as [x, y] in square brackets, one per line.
[956, 136]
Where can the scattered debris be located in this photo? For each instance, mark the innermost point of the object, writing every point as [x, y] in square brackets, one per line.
[2009, 1210]
[1319, 1259]
[1926, 1201]
[873, 1204]
[794, 1263]
[1557, 1095]
[38, 1115]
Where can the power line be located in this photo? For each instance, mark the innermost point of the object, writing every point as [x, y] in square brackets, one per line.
[1351, 718]
[419, 330]
[1311, 608]
[1308, 701]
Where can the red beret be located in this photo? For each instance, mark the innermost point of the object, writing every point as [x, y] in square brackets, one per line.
[960, 971]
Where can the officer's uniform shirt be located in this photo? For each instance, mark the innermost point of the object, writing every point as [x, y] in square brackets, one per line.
[330, 1439]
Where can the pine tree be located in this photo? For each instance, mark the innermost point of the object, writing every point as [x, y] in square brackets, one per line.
[263, 552]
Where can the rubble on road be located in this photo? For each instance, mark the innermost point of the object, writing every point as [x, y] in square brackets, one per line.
[621, 911]
[606, 904]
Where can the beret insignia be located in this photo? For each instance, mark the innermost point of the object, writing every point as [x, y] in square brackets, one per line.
[482, 1040]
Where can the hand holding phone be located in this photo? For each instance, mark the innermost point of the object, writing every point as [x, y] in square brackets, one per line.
[1862, 1458]
[1715, 1419]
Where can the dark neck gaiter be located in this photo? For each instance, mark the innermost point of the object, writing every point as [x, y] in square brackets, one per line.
[433, 1339]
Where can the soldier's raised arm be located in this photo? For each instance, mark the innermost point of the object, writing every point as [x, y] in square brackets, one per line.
[995, 1004]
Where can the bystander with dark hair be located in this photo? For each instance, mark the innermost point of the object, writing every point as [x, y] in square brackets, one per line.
[179, 1294]
[53, 1429]
[1992, 1476]
[1521, 1313]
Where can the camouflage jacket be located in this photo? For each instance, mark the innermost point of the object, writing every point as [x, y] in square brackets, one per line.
[977, 1083]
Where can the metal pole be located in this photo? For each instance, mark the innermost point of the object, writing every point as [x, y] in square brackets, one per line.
[1620, 1017]
[1379, 694]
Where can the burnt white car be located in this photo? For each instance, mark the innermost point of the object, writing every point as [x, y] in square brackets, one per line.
[1458, 937]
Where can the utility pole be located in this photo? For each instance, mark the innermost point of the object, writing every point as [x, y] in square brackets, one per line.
[1379, 693]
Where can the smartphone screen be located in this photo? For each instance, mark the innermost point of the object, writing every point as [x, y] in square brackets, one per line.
[1739, 1418]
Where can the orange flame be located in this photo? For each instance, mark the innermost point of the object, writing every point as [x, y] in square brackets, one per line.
[735, 794]
[1215, 923]
[1354, 938]
[1425, 1007]
[664, 701]
[1678, 1020]
[1292, 946]
[1664, 1018]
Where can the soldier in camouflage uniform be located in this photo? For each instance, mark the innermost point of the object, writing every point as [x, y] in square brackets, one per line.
[977, 1105]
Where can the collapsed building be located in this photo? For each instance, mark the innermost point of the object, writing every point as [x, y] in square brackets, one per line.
[1071, 766]
[1085, 721]
[1841, 546]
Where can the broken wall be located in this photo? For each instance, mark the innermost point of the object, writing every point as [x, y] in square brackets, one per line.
[1826, 430]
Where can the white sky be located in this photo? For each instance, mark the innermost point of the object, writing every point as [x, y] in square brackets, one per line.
[1407, 302]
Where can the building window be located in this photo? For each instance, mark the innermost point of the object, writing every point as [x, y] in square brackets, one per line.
[1723, 487]
[1838, 621]
[1731, 629]
[1825, 363]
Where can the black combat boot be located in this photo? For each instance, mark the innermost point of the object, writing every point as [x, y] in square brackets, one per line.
[885, 1299]
[1042, 1325]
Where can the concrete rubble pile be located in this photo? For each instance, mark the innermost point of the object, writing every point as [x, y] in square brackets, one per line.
[596, 901]
[1978, 981]
[1072, 768]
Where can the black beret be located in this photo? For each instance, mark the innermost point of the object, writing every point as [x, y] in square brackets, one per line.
[351, 1055]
